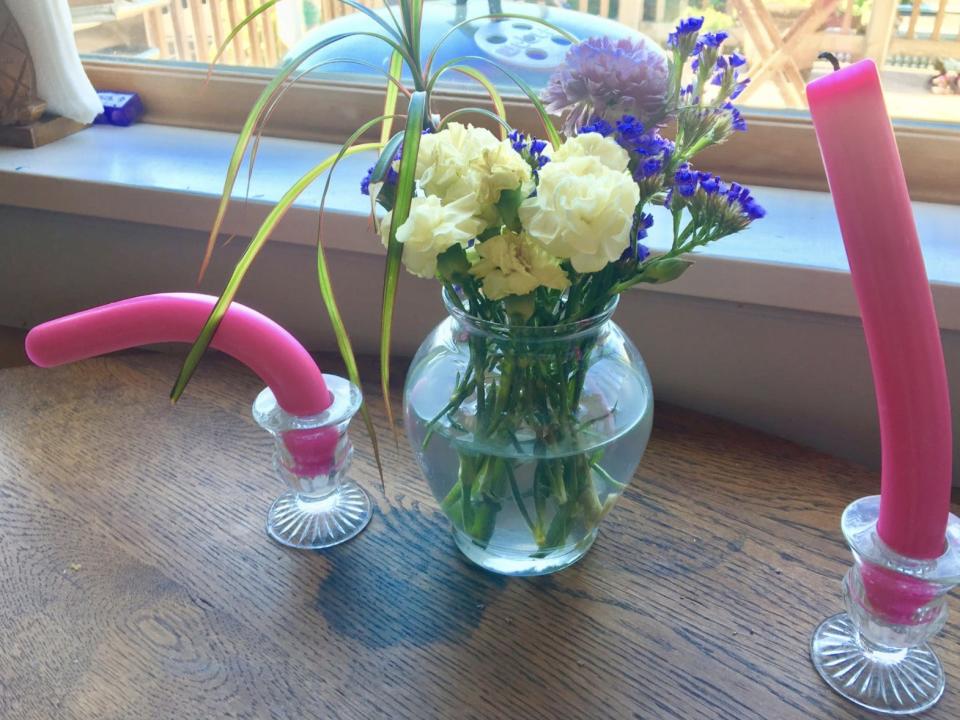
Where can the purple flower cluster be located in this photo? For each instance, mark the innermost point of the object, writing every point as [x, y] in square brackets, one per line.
[730, 206]
[604, 78]
[736, 118]
[637, 252]
[650, 150]
[728, 77]
[390, 179]
[687, 28]
[530, 148]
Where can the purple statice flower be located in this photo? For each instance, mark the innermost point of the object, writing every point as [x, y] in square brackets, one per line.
[646, 222]
[712, 40]
[652, 150]
[710, 184]
[531, 148]
[687, 27]
[685, 180]
[637, 251]
[731, 78]
[741, 201]
[736, 60]
[517, 140]
[605, 79]
[597, 125]
[736, 119]
[390, 179]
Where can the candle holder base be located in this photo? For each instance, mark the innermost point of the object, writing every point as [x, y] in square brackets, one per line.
[309, 524]
[321, 507]
[876, 653]
[886, 681]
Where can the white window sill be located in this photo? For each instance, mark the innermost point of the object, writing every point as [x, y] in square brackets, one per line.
[173, 177]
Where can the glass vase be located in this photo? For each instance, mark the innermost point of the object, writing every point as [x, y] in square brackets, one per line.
[527, 435]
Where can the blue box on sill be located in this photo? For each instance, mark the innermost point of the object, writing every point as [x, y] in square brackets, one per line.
[119, 108]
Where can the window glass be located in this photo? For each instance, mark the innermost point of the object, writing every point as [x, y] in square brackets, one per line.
[916, 43]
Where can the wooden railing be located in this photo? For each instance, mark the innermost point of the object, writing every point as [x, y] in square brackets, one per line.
[194, 29]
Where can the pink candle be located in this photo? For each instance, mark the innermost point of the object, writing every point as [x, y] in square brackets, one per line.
[253, 339]
[876, 220]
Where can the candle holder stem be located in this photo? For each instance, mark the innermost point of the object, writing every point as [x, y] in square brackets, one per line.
[321, 507]
[876, 653]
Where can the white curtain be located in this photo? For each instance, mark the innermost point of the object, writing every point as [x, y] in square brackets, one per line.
[61, 80]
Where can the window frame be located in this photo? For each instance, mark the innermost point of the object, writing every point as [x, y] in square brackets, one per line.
[779, 150]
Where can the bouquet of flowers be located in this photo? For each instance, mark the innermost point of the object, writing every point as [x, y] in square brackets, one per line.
[527, 234]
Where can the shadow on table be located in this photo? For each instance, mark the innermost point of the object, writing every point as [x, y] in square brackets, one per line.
[404, 582]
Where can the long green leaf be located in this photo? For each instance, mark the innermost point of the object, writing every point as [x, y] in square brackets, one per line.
[243, 265]
[236, 31]
[495, 16]
[390, 101]
[394, 30]
[411, 13]
[504, 125]
[383, 163]
[243, 139]
[392, 84]
[492, 91]
[333, 310]
[552, 135]
[406, 181]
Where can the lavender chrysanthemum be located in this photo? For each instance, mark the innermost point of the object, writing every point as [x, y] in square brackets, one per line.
[606, 79]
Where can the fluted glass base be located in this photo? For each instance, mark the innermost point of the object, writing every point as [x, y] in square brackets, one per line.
[301, 522]
[891, 681]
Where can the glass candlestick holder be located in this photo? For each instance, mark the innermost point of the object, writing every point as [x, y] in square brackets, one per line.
[876, 653]
[321, 507]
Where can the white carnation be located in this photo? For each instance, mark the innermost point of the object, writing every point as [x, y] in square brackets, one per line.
[583, 210]
[468, 163]
[511, 264]
[595, 145]
[430, 229]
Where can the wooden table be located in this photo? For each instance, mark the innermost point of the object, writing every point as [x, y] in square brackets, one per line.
[137, 581]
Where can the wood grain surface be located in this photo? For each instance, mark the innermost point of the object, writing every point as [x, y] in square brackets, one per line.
[137, 581]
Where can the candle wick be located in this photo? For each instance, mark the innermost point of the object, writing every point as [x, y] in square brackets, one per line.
[829, 56]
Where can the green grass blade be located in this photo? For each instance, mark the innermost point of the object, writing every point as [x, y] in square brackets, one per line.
[235, 31]
[249, 126]
[495, 16]
[552, 135]
[393, 84]
[504, 125]
[406, 181]
[325, 283]
[390, 101]
[492, 91]
[243, 265]
[394, 30]
[386, 157]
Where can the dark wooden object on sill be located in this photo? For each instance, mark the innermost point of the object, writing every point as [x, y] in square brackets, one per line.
[138, 582]
[24, 121]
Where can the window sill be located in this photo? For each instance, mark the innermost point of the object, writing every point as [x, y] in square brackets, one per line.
[172, 176]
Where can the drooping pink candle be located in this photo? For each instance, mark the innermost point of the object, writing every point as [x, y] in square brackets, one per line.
[250, 337]
[876, 219]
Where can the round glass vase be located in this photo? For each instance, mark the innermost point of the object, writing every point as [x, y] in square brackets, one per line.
[527, 435]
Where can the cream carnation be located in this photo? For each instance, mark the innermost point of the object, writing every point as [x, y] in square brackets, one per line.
[583, 210]
[431, 228]
[604, 149]
[511, 264]
[467, 162]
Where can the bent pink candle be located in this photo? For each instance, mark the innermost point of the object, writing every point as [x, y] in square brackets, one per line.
[250, 337]
[886, 265]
